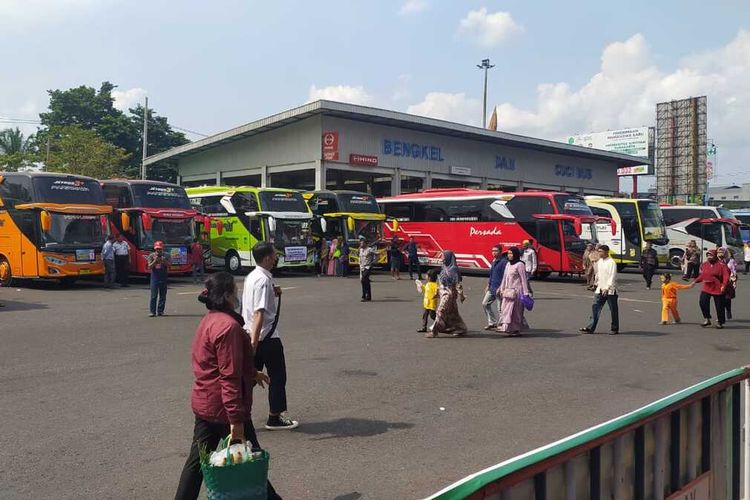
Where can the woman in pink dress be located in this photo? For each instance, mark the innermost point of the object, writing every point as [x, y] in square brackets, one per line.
[332, 258]
[514, 285]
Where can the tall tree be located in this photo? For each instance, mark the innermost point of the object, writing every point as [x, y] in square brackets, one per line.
[161, 137]
[76, 150]
[15, 150]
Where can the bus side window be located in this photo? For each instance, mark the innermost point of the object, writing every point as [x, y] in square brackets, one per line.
[15, 190]
[523, 207]
[246, 202]
[400, 211]
[547, 235]
[600, 212]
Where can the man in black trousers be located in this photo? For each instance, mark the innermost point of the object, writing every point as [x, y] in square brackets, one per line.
[649, 264]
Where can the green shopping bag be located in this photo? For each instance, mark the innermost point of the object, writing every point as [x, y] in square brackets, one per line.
[243, 481]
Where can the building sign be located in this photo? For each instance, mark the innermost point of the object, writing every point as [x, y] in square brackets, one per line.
[412, 150]
[629, 141]
[330, 146]
[460, 170]
[367, 161]
[505, 163]
[638, 170]
[573, 172]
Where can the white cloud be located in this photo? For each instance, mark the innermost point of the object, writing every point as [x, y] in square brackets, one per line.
[488, 30]
[413, 7]
[452, 107]
[625, 91]
[35, 11]
[126, 99]
[402, 88]
[340, 93]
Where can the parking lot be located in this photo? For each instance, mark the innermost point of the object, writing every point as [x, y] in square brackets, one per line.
[95, 395]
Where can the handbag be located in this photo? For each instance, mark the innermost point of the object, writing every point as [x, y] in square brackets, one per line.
[527, 301]
[247, 480]
[510, 294]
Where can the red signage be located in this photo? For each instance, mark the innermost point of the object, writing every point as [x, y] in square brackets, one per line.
[330, 146]
[367, 161]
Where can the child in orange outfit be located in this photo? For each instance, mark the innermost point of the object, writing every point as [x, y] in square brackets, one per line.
[669, 297]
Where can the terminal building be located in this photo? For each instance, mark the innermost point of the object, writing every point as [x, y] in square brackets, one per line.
[332, 145]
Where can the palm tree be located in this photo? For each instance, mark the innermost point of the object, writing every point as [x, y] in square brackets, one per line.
[14, 149]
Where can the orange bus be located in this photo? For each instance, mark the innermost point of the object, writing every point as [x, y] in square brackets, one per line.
[51, 226]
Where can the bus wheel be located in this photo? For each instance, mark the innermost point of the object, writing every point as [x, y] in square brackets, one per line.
[6, 276]
[620, 267]
[543, 275]
[232, 262]
[675, 258]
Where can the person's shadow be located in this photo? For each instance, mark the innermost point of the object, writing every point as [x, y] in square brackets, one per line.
[350, 427]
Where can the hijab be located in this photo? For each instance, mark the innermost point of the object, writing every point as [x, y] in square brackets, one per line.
[516, 254]
[449, 274]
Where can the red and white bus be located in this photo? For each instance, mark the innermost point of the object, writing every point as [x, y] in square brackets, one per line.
[470, 222]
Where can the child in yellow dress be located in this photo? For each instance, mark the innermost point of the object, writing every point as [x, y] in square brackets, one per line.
[669, 297]
[430, 300]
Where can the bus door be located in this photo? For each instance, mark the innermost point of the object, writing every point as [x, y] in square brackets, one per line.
[548, 235]
[27, 248]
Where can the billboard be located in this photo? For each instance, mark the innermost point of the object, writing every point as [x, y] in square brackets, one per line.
[629, 141]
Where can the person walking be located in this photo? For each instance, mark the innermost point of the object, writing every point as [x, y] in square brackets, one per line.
[497, 268]
[395, 254]
[366, 261]
[412, 252]
[649, 264]
[261, 313]
[447, 317]
[731, 287]
[196, 258]
[605, 292]
[669, 297]
[529, 258]
[122, 260]
[588, 265]
[323, 257]
[429, 299]
[108, 258]
[334, 254]
[344, 259]
[714, 275]
[747, 257]
[158, 263]
[513, 286]
[223, 379]
[692, 258]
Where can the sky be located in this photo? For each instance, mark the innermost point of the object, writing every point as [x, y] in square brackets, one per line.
[561, 68]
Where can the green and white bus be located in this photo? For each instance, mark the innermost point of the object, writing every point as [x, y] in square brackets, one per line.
[242, 216]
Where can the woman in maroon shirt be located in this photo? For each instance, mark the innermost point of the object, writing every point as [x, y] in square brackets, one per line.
[225, 374]
[714, 275]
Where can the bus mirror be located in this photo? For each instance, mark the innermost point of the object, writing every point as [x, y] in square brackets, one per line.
[395, 225]
[578, 226]
[613, 226]
[46, 221]
[125, 221]
[148, 221]
[104, 221]
[272, 224]
[350, 224]
[323, 225]
[219, 226]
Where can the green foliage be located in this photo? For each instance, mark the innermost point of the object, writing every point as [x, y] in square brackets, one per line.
[16, 151]
[76, 150]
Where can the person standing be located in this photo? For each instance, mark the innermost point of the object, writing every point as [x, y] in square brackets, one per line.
[692, 258]
[196, 258]
[108, 258]
[731, 287]
[158, 264]
[223, 379]
[447, 317]
[513, 286]
[412, 252]
[344, 259]
[605, 292]
[122, 260]
[669, 297]
[747, 257]
[497, 269]
[429, 298]
[529, 259]
[714, 275]
[649, 263]
[395, 254]
[334, 255]
[323, 257]
[261, 313]
[588, 265]
[366, 261]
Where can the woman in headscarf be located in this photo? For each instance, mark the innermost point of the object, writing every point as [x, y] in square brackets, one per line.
[333, 257]
[691, 260]
[448, 320]
[588, 265]
[514, 284]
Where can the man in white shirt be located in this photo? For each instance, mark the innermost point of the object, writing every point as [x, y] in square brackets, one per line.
[528, 257]
[260, 312]
[606, 291]
[122, 260]
[108, 258]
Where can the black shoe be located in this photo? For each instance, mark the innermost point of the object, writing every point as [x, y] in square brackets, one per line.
[585, 329]
[280, 422]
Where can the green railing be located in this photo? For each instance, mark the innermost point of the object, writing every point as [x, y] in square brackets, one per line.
[701, 424]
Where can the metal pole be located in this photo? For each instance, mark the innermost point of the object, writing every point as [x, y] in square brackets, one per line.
[46, 163]
[484, 105]
[746, 444]
[145, 140]
[635, 187]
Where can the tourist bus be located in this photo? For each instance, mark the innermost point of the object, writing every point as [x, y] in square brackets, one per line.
[742, 215]
[638, 221]
[678, 213]
[149, 211]
[51, 226]
[708, 234]
[242, 216]
[349, 215]
[470, 222]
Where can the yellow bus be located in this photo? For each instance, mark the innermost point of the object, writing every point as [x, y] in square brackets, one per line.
[349, 215]
[51, 226]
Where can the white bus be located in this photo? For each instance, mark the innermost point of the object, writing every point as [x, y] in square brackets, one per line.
[708, 233]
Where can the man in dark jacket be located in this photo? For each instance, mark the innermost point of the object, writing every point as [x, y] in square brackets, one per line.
[413, 252]
[497, 270]
[649, 264]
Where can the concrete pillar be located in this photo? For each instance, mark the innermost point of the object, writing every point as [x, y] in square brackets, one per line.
[179, 180]
[396, 182]
[320, 175]
[483, 184]
[218, 177]
[264, 180]
[427, 181]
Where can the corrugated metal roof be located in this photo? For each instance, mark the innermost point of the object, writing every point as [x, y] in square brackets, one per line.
[393, 119]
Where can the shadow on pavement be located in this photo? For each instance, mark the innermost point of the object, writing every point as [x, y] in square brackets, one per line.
[643, 333]
[350, 427]
[14, 305]
[355, 495]
[533, 333]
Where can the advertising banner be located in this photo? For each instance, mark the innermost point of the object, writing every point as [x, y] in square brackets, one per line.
[330, 146]
[629, 141]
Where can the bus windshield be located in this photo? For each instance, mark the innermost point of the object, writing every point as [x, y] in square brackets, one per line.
[572, 205]
[68, 190]
[159, 196]
[652, 220]
[733, 236]
[75, 229]
[725, 214]
[292, 232]
[370, 229]
[358, 203]
[171, 231]
[282, 201]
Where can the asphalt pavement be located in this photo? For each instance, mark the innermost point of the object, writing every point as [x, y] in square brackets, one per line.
[95, 395]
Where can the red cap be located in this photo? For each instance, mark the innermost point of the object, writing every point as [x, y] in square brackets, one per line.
[158, 244]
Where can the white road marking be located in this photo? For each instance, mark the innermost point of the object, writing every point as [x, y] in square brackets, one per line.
[621, 299]
[198, 291]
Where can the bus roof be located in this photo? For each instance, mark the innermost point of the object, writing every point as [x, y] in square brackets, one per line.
[337, 192]
[466, 192]
[602, 199]
[138, 181]
[32, 175]
[193, 191]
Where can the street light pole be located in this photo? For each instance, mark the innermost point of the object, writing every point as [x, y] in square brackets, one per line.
[145, 141]
[485, 66]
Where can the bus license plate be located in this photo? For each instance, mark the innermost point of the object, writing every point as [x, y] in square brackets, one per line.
[295, 254]
[84, 271]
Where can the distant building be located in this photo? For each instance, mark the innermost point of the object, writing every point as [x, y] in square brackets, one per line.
[733, 196]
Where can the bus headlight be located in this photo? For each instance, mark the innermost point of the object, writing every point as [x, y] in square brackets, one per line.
[55, 260]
